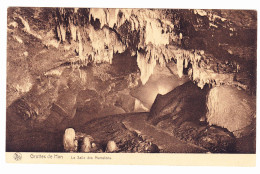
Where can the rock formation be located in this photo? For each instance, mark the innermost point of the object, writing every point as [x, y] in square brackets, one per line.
[230, 108]
[111, 146]
[69, 140]
[86, 146]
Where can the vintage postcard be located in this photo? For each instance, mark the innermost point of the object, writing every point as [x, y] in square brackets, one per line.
[131, 86]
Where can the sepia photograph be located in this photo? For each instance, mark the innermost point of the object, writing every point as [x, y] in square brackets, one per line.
[130, 80]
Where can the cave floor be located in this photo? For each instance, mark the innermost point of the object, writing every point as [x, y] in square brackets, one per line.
[129, 131]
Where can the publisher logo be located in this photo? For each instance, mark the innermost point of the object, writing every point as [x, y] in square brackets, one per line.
[17, 156]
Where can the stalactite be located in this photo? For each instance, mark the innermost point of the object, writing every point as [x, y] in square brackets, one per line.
[186, 61]
[63, 33]
[146, 67]
[73, 31]
[154, 34]
[180, 67]
[155, 39]
[81, 57]
[104, 43]
[100, 14]
[112, 17]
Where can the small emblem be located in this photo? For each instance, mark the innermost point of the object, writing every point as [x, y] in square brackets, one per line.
[17, 156]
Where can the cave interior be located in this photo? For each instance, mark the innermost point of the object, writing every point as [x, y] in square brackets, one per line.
[131, 80]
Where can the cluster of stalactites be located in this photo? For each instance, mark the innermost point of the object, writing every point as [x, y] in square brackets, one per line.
[156, 35]
[95, 45]
[101, 44]
[197, 72]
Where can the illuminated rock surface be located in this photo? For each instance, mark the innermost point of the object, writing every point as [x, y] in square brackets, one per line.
[235, 112]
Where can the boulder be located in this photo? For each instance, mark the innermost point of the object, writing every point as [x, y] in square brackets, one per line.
[230, 108]
[185, 103]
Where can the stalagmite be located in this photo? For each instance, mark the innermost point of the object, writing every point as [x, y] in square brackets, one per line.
[81, 57]
[69, 142]
[86, 145]
[111, 146]
[73, 67]
[180, 67]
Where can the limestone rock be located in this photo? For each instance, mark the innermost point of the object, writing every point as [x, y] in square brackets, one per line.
[211, 46]
[185, 103]
[111, 110]
[90, 110]
[111, 146]
[126, 102]
[66, 103]
[69, 142]
[21, 115]
[86, 145]
[86, 96]
[230, 108]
